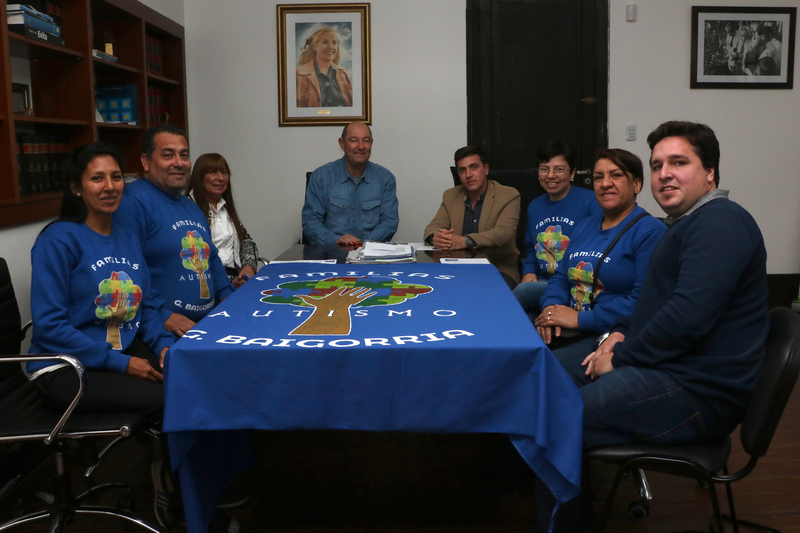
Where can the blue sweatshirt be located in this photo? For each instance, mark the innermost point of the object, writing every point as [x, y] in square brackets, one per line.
[702, 313]
[550, 226]
[185, 270]
[90, 297]
[620, 278]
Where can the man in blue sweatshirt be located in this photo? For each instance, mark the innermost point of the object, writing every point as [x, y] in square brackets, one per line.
[682, 368]
[185, 270]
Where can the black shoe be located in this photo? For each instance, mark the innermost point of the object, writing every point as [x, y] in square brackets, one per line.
[234, 498]
[223, 523]
[162, 500]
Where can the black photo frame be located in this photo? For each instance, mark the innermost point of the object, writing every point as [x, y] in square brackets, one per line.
[743, 47]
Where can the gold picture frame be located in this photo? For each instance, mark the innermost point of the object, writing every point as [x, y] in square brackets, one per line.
[306, 95]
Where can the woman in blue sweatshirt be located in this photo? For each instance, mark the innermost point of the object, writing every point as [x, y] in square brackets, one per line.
[552, 218]
[567, 301]
[90, 296]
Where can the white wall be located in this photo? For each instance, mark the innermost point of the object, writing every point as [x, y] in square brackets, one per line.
[757, 129]
[172, 9]
[419, 109]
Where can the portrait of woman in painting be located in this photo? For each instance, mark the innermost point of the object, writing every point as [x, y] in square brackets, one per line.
[321, 82]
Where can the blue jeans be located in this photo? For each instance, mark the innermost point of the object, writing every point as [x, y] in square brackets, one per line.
[529, 294]
[629, 404]
[634, 404]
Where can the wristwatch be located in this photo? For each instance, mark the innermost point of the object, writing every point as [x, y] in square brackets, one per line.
[601, 339]
[469, 242]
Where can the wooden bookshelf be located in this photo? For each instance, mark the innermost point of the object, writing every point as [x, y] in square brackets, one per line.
[61, 85]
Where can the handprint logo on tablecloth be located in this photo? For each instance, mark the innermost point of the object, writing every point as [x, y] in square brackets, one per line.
[332, 299]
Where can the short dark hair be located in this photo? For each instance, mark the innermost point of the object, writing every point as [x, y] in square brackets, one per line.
[702, 138]
[467, 151]
[625, 160]
[72, 207]
[149, 140]
[554, 148]
[344, 131]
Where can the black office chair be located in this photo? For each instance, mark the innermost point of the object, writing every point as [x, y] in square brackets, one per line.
[303, 238]
[704, 462]
[27, 422]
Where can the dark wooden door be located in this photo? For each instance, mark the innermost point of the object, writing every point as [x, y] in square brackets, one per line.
[537, 69]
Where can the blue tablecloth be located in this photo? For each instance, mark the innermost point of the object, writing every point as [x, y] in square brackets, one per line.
[408, 347]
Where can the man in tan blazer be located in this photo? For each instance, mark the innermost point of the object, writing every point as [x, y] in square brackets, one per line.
[479, 213]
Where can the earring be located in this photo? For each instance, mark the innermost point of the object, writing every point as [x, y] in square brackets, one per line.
[79, 195]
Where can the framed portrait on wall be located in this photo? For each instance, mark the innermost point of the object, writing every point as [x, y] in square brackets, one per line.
[323, 64]
[743, 47]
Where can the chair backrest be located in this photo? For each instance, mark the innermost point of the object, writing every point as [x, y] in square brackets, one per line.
[303, 238]
[10, 321]
[775, 383]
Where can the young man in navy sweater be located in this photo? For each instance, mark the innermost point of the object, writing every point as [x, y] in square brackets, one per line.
[681, 369]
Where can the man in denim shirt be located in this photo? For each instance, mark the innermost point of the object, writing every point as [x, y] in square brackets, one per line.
[351, 200]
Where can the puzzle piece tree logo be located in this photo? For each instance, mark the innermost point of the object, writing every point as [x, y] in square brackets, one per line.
[117, 302]
[332, 299]
[551, 246]
[195, 253]
[582, 292]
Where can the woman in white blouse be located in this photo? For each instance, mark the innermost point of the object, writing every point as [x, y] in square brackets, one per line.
[210, 188]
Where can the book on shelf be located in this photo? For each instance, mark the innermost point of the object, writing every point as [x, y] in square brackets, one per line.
[154, 53]
[13, 9]
[21, 18]
[33, 33]
[157, 105]
[40, 163]
[102, 55]
[118, 103]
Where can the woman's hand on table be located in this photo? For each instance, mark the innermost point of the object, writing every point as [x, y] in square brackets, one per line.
[141, 368]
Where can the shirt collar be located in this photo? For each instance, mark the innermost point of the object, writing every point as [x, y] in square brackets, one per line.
[346, 173]
[713, 195]
[480, 199]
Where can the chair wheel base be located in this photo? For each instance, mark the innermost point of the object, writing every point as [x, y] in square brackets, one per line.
[638, 510]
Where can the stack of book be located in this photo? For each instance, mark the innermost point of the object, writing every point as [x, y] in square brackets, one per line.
[26, 20]
[102, 55]
[154, 55]
[381, 252]
[40, 162]
[157, 105]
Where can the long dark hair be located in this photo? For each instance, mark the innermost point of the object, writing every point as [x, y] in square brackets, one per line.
[207, 164]
[72, 207]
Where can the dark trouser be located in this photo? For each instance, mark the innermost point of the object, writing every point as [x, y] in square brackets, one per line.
[629, 404]
[107, 391]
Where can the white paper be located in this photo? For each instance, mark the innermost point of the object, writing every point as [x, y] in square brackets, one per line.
[465, 260]
[328, 261]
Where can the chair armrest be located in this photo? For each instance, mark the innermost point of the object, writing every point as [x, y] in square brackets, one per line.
[82, 382]
[25, 328]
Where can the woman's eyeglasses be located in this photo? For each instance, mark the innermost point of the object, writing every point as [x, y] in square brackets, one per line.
[558, 171]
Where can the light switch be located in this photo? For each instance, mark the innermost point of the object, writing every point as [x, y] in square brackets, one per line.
[630, 131]
[630, 12]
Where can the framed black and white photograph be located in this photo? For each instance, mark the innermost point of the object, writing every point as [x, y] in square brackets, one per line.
[742, 47]
[323, 64]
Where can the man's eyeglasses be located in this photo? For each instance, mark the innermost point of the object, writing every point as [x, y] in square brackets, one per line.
[558, 171]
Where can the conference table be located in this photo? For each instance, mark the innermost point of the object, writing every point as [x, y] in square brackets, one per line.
[416, 347]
